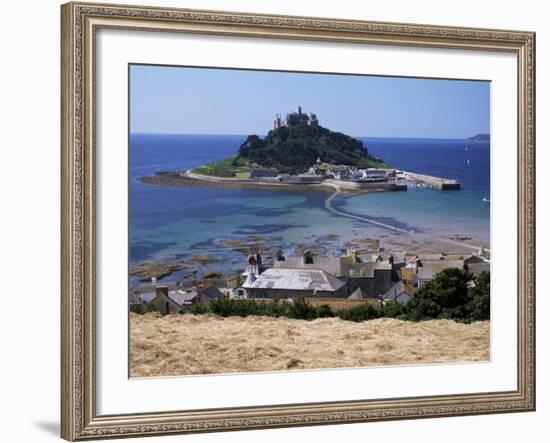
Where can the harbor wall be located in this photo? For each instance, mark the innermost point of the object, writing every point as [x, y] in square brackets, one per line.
[443, 184]
[383, 186]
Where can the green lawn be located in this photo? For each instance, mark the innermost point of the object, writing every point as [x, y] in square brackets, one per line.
[228, 167]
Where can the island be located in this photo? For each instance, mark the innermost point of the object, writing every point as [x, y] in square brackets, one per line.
[298, 151]
[292, 147]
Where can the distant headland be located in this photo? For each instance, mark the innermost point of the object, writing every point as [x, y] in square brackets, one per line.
[480, 138]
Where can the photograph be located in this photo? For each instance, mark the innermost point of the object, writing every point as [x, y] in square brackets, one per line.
[271, 219]
[287, 221]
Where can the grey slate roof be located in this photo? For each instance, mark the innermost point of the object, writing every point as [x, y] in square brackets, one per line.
[332, 265]
[336, 266]
[358, 294]
[146, 297]
[179, 297]
[150, 287]
[431, 267]
[209, 293]
[375, 256]
[398, 289]
[182, 298]
[366, 270]
[399, 257]
[296, 279]
[471, 259]
[476, 268]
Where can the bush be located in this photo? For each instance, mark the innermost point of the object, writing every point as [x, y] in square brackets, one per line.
[392, 309]
[324, 311]
[137, 309]
[450, 295]
[198, 308]
[479, 305]
[358, 313]
[225, 307]
[143, 308]
[302, 309]
[221, 306]
[273, 309]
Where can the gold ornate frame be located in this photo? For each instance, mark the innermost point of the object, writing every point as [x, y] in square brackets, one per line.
[80, 21]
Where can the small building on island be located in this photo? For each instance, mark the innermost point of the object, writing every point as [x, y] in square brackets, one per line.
[361, 175]
[261, 172]
[301, 179]
[374, 175]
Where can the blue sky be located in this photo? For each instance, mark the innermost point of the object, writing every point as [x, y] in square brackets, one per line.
[221, 101]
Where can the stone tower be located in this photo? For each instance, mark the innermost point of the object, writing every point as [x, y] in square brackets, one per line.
[277, 121]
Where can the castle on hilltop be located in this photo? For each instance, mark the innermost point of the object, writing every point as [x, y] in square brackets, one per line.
[296, 118]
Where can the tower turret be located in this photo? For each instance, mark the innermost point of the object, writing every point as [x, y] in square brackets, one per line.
[277, 121]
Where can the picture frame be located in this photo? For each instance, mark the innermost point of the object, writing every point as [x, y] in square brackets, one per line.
[79, 205]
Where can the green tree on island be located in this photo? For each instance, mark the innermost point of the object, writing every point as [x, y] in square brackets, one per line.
[293, 149]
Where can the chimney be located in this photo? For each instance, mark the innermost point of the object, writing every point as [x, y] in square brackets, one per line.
[353, 254]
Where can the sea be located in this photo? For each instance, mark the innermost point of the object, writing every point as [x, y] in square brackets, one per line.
[173, 223]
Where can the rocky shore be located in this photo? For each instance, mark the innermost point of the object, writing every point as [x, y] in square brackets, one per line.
[212, 269]
[145, 271]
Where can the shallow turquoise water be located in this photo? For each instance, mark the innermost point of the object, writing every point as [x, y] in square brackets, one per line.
[182, 221]
[429, 211]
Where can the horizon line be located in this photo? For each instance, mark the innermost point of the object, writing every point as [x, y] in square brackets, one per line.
[263, 135]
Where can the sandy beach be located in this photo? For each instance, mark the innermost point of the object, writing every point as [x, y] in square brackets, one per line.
[206, 344]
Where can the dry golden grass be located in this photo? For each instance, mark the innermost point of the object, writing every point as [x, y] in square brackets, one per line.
[207, 344]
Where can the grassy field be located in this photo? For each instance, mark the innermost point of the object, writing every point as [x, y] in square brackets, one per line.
[208, 344]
